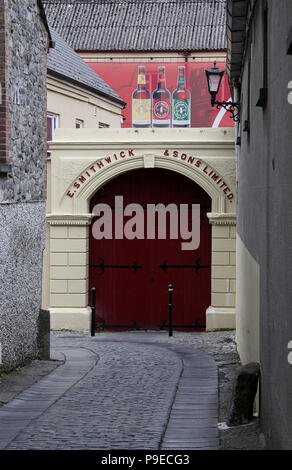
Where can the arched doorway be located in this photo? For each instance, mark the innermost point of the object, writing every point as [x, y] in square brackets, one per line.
[132, 276]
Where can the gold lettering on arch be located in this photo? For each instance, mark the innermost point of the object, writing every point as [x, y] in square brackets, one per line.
[99, 165]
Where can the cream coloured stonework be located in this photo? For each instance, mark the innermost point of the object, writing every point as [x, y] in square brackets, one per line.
[68, 219]
[221, 314]
[71, 102]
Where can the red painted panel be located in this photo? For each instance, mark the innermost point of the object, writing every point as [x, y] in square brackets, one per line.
[127, 296]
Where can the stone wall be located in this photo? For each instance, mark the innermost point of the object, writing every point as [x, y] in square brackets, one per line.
[4, 116]
[21, 249]
[23, 183]
[26, 91]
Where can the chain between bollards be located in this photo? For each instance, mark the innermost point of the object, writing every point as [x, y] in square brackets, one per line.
[93, 292]
[170, 306]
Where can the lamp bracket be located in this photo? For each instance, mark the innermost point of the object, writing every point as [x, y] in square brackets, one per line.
[231, 107]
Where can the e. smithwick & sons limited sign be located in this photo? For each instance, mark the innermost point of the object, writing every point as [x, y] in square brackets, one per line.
[99, 165]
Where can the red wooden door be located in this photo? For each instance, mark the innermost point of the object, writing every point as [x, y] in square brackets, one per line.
[132, 276]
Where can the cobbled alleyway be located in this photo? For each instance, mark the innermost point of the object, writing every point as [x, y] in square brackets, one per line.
[126, 390]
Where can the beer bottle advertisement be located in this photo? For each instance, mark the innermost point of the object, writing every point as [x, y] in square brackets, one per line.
[141, 102]
[145, 88]
[181, 102]
[161, 102]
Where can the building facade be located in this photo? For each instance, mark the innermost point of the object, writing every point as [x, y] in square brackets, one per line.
[77, 96]
[24, 43]
[189, 35]
[89, 167]
[100, 165]
[260, 69]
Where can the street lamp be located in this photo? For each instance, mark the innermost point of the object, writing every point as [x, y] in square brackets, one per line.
[214, 78]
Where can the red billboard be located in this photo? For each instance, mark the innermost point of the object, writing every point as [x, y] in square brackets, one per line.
[166, 94]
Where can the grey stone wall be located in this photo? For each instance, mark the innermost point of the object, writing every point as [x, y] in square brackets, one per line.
[22, 191]
[21, 249]
[26, 58]
[264, 210]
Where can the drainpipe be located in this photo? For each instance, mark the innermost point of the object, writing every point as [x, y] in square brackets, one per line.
[236, 98]
[186, 55]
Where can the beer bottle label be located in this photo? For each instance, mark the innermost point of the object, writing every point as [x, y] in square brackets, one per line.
[181, 111]
[141, 111]
[161, 111]
[141, 79]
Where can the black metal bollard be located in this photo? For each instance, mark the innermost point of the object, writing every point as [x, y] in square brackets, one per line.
[93, 292]
[170, 306]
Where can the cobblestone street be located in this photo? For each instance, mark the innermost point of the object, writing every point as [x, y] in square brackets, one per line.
[129, 390]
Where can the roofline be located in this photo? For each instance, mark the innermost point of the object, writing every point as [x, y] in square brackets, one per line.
[136, 51]
[110, 98]
[44, 19]
[237, 12]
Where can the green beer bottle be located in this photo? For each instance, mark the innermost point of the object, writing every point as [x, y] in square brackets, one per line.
[181, 102]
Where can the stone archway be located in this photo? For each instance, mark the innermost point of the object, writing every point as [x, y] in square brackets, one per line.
[185, 167]
[81, 165]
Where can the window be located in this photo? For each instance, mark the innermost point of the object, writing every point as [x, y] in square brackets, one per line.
[79, 124]
[102, 124]
[52, 124]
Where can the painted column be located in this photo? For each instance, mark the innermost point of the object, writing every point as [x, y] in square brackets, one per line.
[221, 313]
[69, 272]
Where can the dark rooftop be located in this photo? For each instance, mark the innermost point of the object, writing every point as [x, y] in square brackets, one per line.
[64, 63]
[139, 25]
[237, 11]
